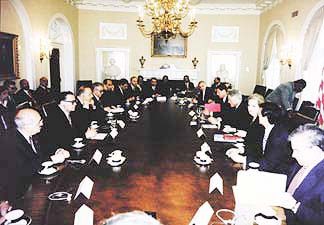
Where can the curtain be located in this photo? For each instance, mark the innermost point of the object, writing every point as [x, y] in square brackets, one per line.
[311, 37]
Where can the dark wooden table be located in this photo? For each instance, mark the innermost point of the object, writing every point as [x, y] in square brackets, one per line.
[159, 174]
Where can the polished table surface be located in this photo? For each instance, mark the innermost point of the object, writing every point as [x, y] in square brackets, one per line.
[158, 176]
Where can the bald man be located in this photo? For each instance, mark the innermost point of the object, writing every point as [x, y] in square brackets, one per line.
[21, 156]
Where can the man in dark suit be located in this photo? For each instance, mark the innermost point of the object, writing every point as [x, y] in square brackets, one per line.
[304, 199]
[121, 92]
[217, 81]
[43, 94]
[60, 126]
[10, 85]
[238, 116]
[108, 98]
[221, 97]
[134, 90]
[100, 111]
[187, 85]
[6, 117]
[205, 94]
[152, 89]
[25, 96]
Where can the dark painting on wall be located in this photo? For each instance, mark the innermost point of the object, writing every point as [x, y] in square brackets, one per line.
[9, 68]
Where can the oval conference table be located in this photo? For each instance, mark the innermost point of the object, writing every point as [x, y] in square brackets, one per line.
[159, 175]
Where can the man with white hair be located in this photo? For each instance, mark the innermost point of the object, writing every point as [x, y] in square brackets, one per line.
[238, 116]
[21, 154]
[304, 199]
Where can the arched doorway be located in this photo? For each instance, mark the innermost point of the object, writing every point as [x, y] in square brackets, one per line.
[61, 43]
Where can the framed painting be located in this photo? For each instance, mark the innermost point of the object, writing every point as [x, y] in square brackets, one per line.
[174, 47]
[9, 67]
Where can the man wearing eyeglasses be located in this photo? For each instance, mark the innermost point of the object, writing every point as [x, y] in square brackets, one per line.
[60, 126]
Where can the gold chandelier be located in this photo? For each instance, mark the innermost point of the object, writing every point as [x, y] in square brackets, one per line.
[166, 18]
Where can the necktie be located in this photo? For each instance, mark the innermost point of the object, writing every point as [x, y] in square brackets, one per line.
[32, 144]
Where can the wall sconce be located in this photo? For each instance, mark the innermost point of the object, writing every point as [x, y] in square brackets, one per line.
[286, 61]
[43, 50]
[195, 61]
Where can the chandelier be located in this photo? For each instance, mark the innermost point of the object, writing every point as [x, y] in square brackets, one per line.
[166, 16]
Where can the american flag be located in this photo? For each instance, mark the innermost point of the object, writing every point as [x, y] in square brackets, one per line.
[320, 101]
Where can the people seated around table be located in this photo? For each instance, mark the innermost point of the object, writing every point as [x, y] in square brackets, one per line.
[43, 94]
[187, 84]
[238, 115]
[304, 197]
[205, 94]
[10, 85]
[275, 154]
[165, 86]
[217, 81]
[135, 89]
[60, 126]
[108, 98]
[22, 152]
[121, 93]
[5, 207]
[6, 117]
[152, 89]
[285, 93]
[255, 131]
[25, 96]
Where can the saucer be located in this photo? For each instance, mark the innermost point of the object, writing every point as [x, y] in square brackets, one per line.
[48, 171]
[202, 162]
[78, 145]
[114, 161]
[14, 214]
[47, 164]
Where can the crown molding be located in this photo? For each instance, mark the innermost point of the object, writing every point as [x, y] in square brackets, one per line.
[260, 7]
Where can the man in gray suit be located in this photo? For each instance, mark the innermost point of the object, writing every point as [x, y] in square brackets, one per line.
[285, 93]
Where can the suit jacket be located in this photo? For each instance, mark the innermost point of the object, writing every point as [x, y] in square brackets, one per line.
[209, 95]
[18, 164]
[238, 117]
[43, 95]
[188, 87]
[21, 97]
[120, 96]
[277, 154]
[253, 140]
[6, 119]
[134, 92]
[109, 98]
[283, 96]
[148, 91]
[98, 113]
[57, 132]
[310, 194]
[165, 89]
[82, 117]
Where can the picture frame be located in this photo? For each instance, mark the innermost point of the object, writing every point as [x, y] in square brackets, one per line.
[174, 47]
[9, 59]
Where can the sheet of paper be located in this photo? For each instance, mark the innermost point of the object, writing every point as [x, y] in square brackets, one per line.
[84, 216]
[193, 123]
[216, 181]
[85, 187]
[205, 147]
[191, 113]
[97, 156]
[209, 126]
[203, 215]
[136, 107]
[121, 123]
[213, 107]
[99, 136]
[161, 99]
[113, 133]
[200, 133]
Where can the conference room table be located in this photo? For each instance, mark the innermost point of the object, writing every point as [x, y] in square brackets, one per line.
[158, 176]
